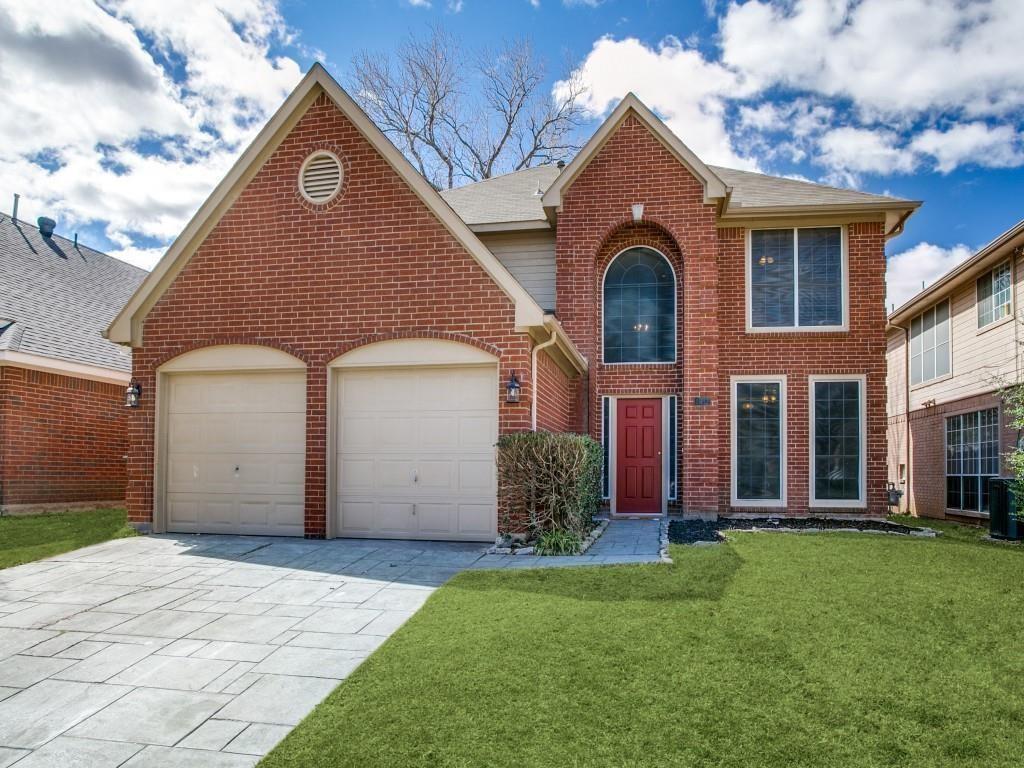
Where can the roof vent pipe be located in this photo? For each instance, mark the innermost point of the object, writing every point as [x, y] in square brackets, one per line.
[560, 164]
[14, 214]
[46, 226]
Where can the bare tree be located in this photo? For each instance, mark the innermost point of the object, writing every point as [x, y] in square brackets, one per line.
[465, 116]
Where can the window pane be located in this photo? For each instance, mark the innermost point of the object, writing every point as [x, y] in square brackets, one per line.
[673, 448]
[972, 457]
[758, 440]
[639, 308]
[837, 440]
[771, 278]
[820, 271]
[985, 300]
[915, 350]
[953, 500]
[971, 497]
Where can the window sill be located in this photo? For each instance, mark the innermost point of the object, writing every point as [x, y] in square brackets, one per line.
[995, 324]
[751, 329]
[968, 513]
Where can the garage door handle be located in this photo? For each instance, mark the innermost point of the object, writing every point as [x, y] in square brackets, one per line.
[415, 476]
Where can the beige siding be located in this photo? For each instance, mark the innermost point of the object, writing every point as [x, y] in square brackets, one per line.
[982, 359]
[896, 361]
[530, 257]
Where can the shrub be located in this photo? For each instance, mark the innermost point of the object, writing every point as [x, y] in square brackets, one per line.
[549, 482]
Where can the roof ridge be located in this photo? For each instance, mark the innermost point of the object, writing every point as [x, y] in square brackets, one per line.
[72, 243]
[805, 182]
[501, 176]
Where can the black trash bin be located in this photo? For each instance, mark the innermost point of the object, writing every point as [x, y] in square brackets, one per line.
[1002, 509]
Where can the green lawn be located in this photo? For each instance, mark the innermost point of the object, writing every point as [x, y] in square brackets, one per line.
[24, 539]
[772, 650]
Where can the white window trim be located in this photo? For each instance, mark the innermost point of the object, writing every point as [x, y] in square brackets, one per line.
[910, 358]
[977, 299]
[861, 502]
[845, 273]
[734, 500]
[675, 308]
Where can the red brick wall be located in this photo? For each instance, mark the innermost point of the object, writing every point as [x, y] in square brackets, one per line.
[595, 224]
[62, 439]
[799, 355]
[315, 281]
[926, 495]
[555, 396]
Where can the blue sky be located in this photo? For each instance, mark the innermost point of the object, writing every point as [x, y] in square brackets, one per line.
[126, 113]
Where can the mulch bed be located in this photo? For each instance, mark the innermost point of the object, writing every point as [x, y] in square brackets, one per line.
[693, 531]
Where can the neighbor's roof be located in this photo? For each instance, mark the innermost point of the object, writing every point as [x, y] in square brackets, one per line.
[513, 198]
[985, 259]
[56, 299]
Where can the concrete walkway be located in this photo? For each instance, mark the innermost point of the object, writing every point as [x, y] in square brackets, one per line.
[207, 650]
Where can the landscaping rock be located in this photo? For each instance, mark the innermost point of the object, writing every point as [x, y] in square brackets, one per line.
[709, 531]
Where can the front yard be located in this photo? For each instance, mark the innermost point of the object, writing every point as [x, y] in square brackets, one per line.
[772, 650]
[24, 539]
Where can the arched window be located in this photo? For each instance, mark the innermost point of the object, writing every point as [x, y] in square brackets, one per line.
[639, 308]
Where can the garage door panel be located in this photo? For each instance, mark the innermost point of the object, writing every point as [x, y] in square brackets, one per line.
[236, 453]
[416, 453]
[477, 477]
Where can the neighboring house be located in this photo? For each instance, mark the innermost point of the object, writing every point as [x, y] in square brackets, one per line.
[329, 347]
[62, 385]
[951, 349]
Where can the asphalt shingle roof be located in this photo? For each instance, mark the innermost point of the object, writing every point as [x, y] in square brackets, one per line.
[60, 298]
[513, 197]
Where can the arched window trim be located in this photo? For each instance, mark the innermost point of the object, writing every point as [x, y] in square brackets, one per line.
[675, 306]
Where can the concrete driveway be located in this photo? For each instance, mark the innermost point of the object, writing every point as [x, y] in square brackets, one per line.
[195, 650]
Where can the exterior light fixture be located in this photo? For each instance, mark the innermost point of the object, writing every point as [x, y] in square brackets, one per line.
[512, 389]
[132, 393]
[638, 211]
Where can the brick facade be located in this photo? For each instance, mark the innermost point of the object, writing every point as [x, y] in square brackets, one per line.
[556, 396]
[62, 440]
[926, 490]
[316, 281]
[595, 224]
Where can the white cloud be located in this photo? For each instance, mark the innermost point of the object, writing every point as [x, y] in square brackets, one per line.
[890, 57]
[455, 6]
[98, 128]
[586, 3]
[678, 83]
[861, 150]
[419, 3]
[922, 264]
[991, 147]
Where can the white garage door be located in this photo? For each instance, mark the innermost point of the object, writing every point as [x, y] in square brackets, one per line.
[236, 445]
[416, 453]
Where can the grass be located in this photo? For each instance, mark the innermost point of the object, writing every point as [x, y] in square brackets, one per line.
[24, 539]
[771, 650]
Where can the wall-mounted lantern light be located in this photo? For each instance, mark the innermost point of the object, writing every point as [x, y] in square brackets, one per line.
[638, 211]
[132, 393]
[512, 389]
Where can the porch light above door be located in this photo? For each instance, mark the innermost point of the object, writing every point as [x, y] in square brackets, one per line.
[512, 389]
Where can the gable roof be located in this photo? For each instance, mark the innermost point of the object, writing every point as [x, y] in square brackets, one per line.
[56, 298]
[758, 191]
[714, 187]
[126, 328]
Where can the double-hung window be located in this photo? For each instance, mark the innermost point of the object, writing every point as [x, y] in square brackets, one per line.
[837, 441]
[972, 457]
[797, 279]
[759, 441]
[994, 295]
[929, 344]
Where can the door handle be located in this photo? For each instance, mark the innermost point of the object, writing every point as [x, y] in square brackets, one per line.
[415, 476]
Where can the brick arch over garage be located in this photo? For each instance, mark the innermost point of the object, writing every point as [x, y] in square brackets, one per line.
[425, 335]
[226, 341]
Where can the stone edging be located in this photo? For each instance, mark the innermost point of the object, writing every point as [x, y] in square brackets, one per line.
[663, 542]
[588, 542]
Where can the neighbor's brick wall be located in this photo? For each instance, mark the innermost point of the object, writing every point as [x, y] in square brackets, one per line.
[595, 224]
[62, 439]
[317, 281]
[927, 493]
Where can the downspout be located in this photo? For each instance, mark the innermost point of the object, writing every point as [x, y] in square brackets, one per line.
[533, 382]
[906, 410]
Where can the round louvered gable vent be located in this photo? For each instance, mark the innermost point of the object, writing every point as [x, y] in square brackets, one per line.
[320, 177]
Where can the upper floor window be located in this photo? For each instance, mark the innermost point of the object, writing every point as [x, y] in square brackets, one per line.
[639, 308]
[994, 292]
[797, 278]
[929, 344]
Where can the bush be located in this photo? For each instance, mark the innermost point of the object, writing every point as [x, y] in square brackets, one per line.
[549, 482]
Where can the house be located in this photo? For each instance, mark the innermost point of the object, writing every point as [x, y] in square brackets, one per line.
[951, 349]
[331, 347]
[62, 386]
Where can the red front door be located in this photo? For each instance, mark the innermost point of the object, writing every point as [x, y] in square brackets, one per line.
[638, 456]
